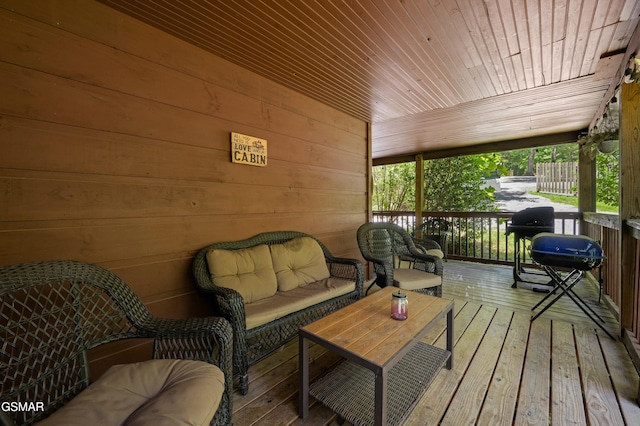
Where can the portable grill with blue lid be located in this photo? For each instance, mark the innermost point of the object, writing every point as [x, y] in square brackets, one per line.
[566, 251]
[577, 254]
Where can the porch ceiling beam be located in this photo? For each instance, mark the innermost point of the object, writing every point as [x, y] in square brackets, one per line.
[508, 145]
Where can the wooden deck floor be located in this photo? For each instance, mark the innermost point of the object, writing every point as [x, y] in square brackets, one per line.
[560, 369]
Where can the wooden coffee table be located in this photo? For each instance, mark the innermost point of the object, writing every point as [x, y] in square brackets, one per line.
[387, 368]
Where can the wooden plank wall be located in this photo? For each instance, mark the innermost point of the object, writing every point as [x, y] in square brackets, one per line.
[115, 149]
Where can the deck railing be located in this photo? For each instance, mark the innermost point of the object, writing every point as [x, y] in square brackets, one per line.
[604, 228]
[478, 236]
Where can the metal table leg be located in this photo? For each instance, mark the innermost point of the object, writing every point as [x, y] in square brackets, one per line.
[303, 377]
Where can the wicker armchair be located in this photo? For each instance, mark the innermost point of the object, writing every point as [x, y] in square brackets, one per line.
[53, 312]
[249, 346]
[382, 243]
[433, 230]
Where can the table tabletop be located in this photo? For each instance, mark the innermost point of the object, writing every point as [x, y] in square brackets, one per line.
[365, 330]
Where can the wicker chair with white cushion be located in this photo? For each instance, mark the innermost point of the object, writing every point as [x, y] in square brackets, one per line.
[52, 313]
[382, 243]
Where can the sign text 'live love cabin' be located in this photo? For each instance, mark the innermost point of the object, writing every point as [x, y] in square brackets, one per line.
[248, 150]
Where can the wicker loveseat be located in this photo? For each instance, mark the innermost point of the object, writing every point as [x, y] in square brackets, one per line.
[270, 285]
[53, 312]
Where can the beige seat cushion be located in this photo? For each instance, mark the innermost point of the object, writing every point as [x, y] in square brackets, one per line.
[414, 279]
[247, 271]
[298, 262]
[157, 392]
[286, 302]
[436, 252]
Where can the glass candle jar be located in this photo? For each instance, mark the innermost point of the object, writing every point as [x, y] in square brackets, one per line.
[399, 306]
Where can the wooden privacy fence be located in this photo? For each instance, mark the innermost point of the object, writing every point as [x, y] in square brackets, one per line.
[557, 178]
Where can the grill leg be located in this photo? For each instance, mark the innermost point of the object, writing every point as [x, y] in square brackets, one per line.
[516, 262]
[561, 284]
[567, 289]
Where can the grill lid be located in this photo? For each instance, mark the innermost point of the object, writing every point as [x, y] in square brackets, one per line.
[532, 221]
[570, 251]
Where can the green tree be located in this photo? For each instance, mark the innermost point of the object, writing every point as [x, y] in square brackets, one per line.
[607, 178]
[451, 184]
[394, 187]
[457, 183]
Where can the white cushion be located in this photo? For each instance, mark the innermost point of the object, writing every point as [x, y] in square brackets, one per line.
[286, 302]
[415, 279]
[159, 392]
[247, 271]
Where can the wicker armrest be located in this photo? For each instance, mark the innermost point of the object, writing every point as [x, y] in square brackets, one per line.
[348, 269]
[228, 302]
[383, 269]
[427, 243]
[427, 262]
[208, 339]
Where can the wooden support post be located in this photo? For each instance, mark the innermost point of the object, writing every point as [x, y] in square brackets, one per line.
[629, 198]
[586, 186]
[419, 188]
[369, 174]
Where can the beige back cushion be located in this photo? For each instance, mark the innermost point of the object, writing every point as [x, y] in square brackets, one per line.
[298, 262]
[247, 271]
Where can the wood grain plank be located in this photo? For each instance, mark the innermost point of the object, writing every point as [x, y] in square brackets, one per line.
[391, 345]
[86, 198]
[78, 150]
[599, 394]
[130, 114]
[497, 292]
[472, 390]
[103, 25]
[624, 378]
[354, 316]
[264, 376]
[567, 407]
[282, 396]
[436, 399]
[534, 398]
[500, 402]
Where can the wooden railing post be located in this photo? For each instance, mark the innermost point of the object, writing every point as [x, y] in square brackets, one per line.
[586, 186]
[629, 198]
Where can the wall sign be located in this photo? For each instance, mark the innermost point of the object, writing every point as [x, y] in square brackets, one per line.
[248, 150]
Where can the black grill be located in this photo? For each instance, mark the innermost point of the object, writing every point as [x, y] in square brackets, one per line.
[526, 224]
[529, 222]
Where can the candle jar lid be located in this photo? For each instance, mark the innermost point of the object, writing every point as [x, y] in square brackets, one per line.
[399, 295]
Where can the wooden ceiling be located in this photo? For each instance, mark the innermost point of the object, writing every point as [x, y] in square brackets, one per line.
[430, 75]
